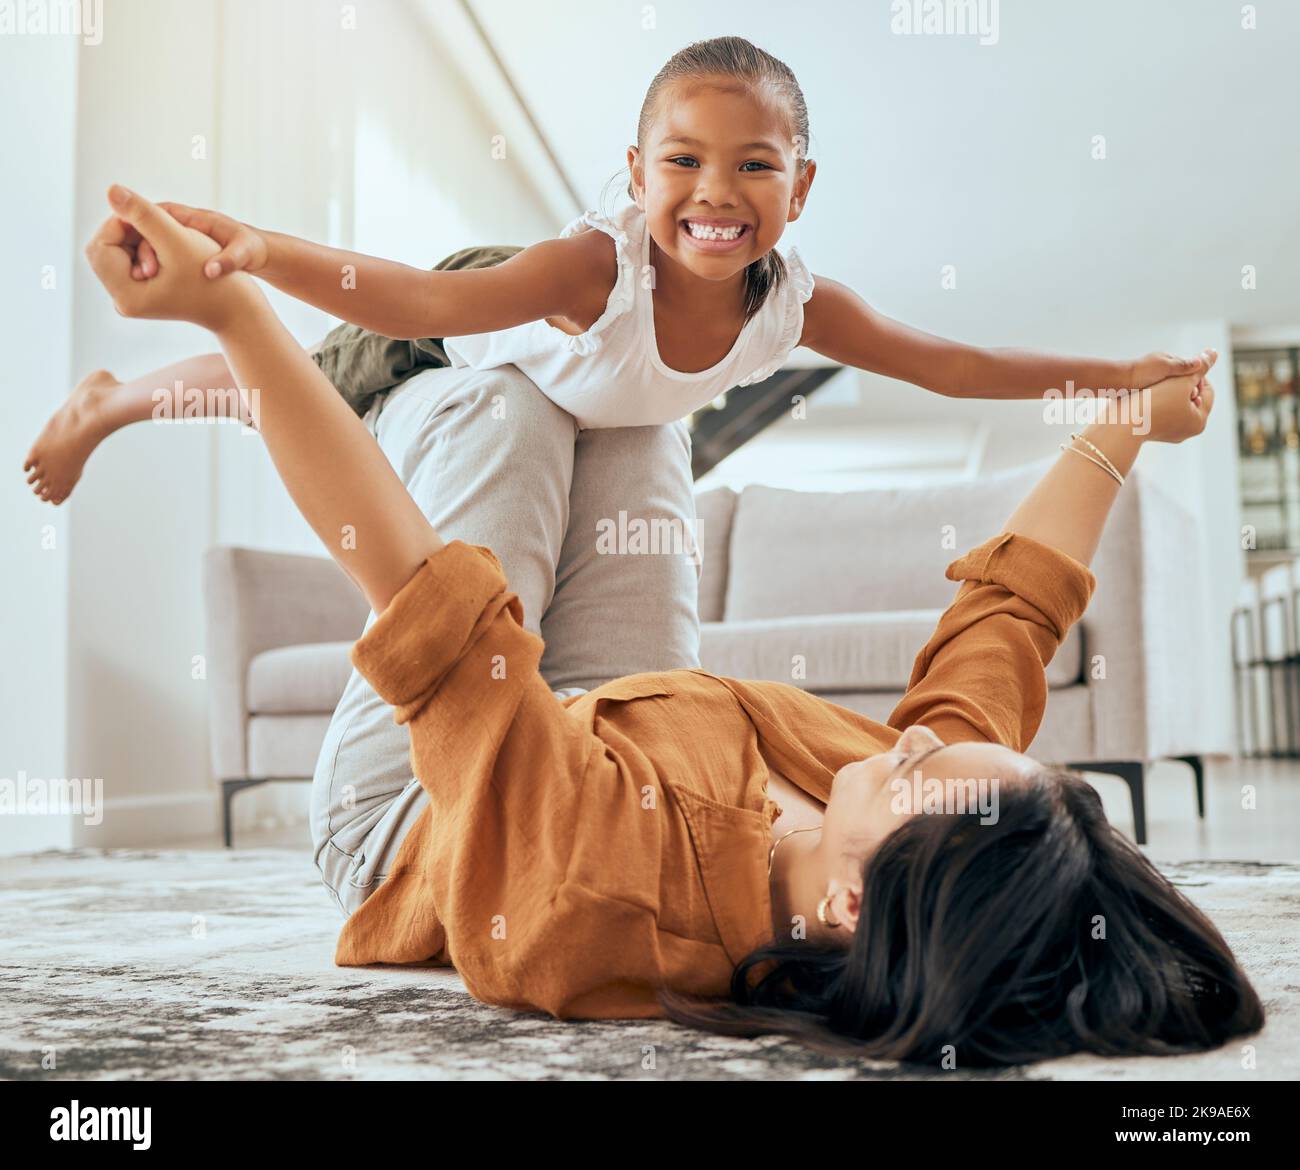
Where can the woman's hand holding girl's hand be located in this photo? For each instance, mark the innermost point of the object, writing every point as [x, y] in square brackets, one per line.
[1178, 408]
[243, 249]
[178, 290]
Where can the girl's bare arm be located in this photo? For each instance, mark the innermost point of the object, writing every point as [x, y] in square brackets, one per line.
[545, 280]
[553, 278]
[841, 325]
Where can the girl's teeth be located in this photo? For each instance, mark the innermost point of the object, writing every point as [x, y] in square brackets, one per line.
[702, 232]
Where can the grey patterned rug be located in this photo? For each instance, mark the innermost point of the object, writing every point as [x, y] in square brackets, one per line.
[126, 964]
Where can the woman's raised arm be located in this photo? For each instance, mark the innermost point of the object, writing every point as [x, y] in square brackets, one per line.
[335, 472]
[981, 676]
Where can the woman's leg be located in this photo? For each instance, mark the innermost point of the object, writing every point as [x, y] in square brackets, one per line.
[489, 459]
[610, 613]
[623, 607]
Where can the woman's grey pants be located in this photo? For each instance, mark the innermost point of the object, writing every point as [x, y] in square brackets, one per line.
[490, 460]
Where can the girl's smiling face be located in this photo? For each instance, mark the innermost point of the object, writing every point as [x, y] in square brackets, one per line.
[719, 153]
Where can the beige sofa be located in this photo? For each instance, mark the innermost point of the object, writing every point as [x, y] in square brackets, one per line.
[834, 592]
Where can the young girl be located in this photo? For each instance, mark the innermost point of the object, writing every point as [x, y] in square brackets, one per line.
[618, 854]
[630, 320]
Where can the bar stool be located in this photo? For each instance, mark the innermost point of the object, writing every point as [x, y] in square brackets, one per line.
[1278, 647]
[1246, 669]
[1293, 711]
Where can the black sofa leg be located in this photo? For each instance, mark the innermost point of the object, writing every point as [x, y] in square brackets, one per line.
[228, 790]
[1198, 770]
[1133, 773]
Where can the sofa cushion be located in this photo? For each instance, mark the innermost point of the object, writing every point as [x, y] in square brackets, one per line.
[285, 747]
[840, 652]
[794, 552]
[293, 680]
[714, 510]
[844, 652]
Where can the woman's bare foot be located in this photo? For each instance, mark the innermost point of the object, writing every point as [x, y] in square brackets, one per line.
[66, 441]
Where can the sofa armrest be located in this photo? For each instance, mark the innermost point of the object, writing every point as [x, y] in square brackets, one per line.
[1145, 629]
[255, 601]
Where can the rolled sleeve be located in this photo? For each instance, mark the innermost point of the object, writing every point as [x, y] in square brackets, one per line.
[981, 676]
[1052, 582]
[435, 620]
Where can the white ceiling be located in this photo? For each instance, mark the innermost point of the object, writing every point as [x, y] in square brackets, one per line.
[936, 150]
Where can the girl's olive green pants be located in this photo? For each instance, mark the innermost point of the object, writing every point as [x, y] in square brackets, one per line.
[363, 365]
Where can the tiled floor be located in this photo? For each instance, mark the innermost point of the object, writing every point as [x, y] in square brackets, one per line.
[1268, 832]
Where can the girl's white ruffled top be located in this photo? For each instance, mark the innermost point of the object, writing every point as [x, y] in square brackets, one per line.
[612, 375]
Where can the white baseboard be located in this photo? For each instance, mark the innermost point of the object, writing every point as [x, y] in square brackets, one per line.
[130, 822]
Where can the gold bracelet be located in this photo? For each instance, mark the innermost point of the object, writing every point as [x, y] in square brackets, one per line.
[1108, 470]
[1101, 455]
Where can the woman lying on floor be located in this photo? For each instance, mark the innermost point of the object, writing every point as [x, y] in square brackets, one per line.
[623, 853]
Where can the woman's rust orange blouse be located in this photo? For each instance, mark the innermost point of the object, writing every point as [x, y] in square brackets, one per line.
[577, 855]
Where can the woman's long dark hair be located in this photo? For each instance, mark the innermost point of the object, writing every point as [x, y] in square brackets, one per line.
[749, 66]
[1042, 934]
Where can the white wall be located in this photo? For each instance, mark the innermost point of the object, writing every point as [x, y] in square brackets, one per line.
[39, 76]
[142, 516]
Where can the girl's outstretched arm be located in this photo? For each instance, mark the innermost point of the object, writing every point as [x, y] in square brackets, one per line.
[841, 325]
[335, 472]
[552, 278]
